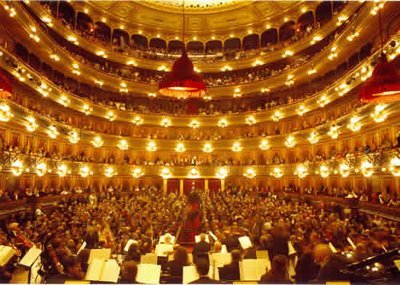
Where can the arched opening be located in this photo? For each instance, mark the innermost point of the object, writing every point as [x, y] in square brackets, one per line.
[158, 43]
[195, 47]
[139, 41]
[67, 14]
[323, 13]
[84, 24]
[338, 6]
[175, 46]
[269, 37]
[232, 44]
[120, 39]
[305, 22]
[102, 32]
[365, 50]
[213, 46]
[287, 31]
[251, 42]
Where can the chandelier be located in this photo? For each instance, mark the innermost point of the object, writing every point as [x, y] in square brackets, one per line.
[384, 84]
[183, 82]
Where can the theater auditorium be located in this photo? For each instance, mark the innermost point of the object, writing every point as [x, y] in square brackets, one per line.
[199, 142]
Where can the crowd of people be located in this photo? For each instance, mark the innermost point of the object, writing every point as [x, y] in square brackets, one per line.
[108, 219]
[128, 46]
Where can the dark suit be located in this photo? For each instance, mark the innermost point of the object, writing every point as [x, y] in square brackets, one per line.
[278, 244]
[331, 270]
[205, 280]
[230, 271]
[201, 249]
[231, 243]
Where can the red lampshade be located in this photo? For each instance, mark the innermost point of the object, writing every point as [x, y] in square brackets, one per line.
[5, 86]
[384, 84]
[182, 82]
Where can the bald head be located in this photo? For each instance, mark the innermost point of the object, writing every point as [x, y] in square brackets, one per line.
[322, 253]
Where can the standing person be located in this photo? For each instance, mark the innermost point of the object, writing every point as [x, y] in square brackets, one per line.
[279, 273]
[201, 248]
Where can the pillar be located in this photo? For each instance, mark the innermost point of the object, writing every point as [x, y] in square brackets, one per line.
[180, 187]
[165, 186]
[222, 184]
[206, 186]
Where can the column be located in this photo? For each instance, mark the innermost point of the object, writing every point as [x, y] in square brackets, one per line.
[206, 186]
[180, 187]
[165, 186]
[222, 184]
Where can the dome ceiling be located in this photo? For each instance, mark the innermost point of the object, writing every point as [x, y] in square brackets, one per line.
[201, 16]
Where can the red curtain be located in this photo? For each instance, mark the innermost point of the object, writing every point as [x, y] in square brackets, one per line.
[214, 185]
[188, 184]
[173, 186]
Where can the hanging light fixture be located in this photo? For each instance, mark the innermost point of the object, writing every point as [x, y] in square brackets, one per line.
[5, 87]
[384, 84]
[183, 82]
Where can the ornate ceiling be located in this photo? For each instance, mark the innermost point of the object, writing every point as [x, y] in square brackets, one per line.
[201, 15]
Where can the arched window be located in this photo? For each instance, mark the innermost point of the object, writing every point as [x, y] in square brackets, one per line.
[232, 44]
[102, 32]
[324, 12]
[269, 37]
[251, 42]
[286, 31]
[213, 46]
[139, 41]
[195, 47]
[120, 38]
[67, 14]
[158, 43]
[84, 23]
[175, 46]
[305, 21]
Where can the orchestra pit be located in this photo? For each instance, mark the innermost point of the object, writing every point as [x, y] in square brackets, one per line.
[200, 141]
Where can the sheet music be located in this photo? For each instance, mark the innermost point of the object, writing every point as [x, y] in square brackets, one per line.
[6, 253]
[30, 257]
[197, 239]
[104, 270]
[163, 249]
[220, 259]
[148, 258]
[190, 274]
[245, 242]
[291, 248]
[252, 269]
[148, 274]
[102, 253]
[162, 239]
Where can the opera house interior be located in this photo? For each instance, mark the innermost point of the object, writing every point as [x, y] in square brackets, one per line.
[200, 141]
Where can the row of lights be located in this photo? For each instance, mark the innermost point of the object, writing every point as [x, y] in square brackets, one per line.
[379, 114]
[366, 169]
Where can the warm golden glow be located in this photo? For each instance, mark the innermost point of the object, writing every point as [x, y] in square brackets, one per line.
[17, 167]
[290, 141]
[194, 124]
[264, 144]
[151, 146]
[313, 137]
[354, 124]
[379, 114]
[367, 168]
[301, 110]
[250, 120]
[208, 147]
[64, 100]
[86, 109]
[302, 171]
[223, 123]
[109, 171]
[236, 147]
[193, 173]
[123, 144]
[97, 141]
[394, 166]
[323, 101]
[277, 116]
[324, 171]
[31, 125]
[180, 147]
[344, 169]
[41, 168]
[165, 122]
[165, 173]
[137, 120]
[277, 172]
[334, 132]
[5, 113]
[137, 172]
[250, 173]
[221, 173]
[73, 136]
[110, 115]
[84, 171]
[62, 170]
